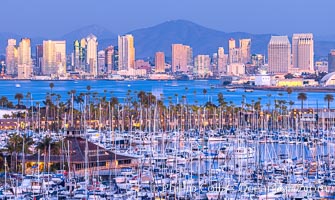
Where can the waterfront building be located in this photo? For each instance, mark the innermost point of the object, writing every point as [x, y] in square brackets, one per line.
[279, 53]
[181, 58]
[236, 69]
[126, 52]
[202, 66]
[303, 52]
[11, 57]
[328, 80]
[160, 62]
[92, 54]
[24, 59]
[321, 66]
[54, 58]
[245, 50]
[331, 61]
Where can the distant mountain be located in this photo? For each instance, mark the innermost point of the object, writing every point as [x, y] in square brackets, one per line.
[160, 37]
[203, 40]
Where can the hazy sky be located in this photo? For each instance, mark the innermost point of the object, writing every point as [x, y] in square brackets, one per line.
[56, 17]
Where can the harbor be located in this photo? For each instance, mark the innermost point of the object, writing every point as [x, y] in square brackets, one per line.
[94, 146]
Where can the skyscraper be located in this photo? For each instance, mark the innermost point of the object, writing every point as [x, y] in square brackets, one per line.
[76, 55]
[92, 54]
[201, 65]
[39, 59]
[160, 62]
[109, 55]
[181, 57]
[11, 57]
[82, 55]
[303, 51]
[222, 61]
[101, 62]
[245, 48]
[234, 52]
[126, 52]
[54, 58]
[331, 61]
[24, 59]
[279, 53]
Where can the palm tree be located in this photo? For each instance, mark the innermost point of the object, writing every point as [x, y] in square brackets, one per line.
[51, 86]
[19, 97]
[302, 97]
[45, 144]
[329, 98]
[289, 90]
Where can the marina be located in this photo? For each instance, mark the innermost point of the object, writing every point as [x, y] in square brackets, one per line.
[97, 147]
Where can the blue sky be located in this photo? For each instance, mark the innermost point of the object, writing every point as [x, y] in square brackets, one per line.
[57, 17]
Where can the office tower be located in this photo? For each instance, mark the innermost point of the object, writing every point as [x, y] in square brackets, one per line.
[39, 59]
[331, 61]
[181, 57]
[109, 55]
[222, 61]
[245, 48]
[201, 65]
[231, 44]
[82, 55]
[101, 62]
[234, 52]
[92, 54]
[279, 53]
[303, 51]
[54, 58]
[24, 59]
[76, 55]
[160, 62]
[257, 60]
[11, 57]
[126, 52]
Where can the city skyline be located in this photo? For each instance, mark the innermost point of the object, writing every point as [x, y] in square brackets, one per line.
[38, 20]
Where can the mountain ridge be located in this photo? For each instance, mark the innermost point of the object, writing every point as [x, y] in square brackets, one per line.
[160, 37]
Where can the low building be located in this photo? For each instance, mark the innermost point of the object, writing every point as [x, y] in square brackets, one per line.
[328, 80]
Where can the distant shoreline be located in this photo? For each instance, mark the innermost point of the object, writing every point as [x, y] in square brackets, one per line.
[295, 89]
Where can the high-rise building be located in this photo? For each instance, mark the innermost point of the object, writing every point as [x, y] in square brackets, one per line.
[160, 62]
[101, 62]
[279, 54]
[54, 58]
[245, 48]
[222, 61]
[303, 51]
[109, 55]
[92, 54]
[234, 55]
[126, 52]
[331, 61]
[76, 55]
[82, 55]
[24, 59]
[202, 65]
[39, 59]
[181, 57]
[257, 60]
[11, 57]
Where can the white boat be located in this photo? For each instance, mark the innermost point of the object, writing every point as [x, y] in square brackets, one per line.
[248, 90]
[231, 89]
[17, 85]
